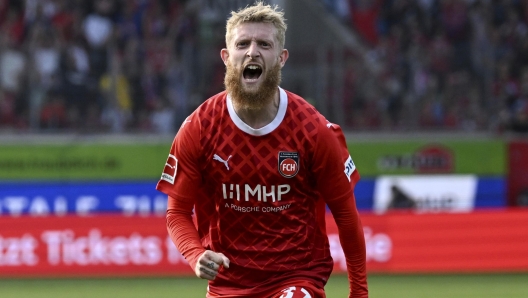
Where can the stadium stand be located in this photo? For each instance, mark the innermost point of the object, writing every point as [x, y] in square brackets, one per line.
[99, 66]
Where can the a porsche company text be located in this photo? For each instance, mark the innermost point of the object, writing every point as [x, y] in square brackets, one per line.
[258, 208]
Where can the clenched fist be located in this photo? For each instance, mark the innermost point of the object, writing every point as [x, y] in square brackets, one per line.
[209, 264]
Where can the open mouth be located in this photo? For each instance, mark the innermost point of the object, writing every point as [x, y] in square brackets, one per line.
[252, 72]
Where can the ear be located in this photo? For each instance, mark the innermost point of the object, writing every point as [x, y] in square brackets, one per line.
[283, 57]
[224, 54]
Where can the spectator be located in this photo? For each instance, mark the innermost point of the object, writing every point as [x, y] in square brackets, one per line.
[177, 92]
[128, 23]
[44, 58]
[162, 118]
[13, 62]
[364, 15]
[117, 105]
[53, 113]
[419, 46]
[98, 30]
[13, 65]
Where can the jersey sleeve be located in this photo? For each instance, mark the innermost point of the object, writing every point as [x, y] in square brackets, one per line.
[336, 177]
[335, 171]
[182, 230]
[181, 178]
[181, 181]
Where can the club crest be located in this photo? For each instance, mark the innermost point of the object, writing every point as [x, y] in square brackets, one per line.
[288, 164]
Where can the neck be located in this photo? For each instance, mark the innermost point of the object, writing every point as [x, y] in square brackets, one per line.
[258, 118]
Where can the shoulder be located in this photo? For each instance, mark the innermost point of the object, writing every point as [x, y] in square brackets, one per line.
[201, 124]
[308, 116]
[298, 102]
[206, 111]
[214, 103]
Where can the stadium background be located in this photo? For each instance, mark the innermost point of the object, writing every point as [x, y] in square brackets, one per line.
[433, 96]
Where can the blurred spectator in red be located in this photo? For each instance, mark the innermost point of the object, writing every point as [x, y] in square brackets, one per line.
[12, 22]
[364, 17]
[53, 113]
[58, 13]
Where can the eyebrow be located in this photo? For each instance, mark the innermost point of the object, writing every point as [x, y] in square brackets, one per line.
[243, 39]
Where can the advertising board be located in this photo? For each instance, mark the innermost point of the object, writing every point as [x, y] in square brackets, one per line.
[96, 161]
[480, 241]
[141, 198]
[81, 198]
[432, 193]
[116, 245]
[479, 157]
[100, 245]
[82, 161]
[438, 193]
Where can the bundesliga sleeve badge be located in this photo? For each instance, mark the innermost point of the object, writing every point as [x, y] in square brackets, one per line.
[288, 164]
[169, 171]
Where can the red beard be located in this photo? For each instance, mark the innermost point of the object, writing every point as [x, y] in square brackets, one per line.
[251, 99]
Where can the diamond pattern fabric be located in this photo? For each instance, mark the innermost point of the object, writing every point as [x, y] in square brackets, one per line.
[268, 225]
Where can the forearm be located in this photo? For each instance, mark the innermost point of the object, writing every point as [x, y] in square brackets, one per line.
[182, 231]
[353, 244]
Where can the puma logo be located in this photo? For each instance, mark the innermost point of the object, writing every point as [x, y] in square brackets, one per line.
[218, 158]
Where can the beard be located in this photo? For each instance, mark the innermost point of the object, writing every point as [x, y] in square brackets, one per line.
[254, 99]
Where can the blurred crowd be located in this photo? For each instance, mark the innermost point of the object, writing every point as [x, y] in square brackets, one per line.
[443, 64]
[134, 65]
[95, 66]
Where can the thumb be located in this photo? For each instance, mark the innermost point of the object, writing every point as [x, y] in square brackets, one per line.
[224, 260]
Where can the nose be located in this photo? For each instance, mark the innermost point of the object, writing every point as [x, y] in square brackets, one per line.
[253, 51]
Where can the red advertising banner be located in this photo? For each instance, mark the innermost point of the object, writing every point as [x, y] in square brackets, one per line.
[480, 241]
[115, 245]
[87, 246]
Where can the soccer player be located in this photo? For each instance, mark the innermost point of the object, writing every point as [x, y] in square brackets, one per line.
[258, 165]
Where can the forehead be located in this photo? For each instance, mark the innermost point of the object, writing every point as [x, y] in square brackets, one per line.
[257, 31]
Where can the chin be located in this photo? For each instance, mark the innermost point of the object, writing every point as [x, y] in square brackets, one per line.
[253, 88]
[254, 95]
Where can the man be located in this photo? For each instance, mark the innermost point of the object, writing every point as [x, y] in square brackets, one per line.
[258, 164]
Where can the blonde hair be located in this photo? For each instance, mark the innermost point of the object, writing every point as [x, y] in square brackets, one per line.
[258, 13]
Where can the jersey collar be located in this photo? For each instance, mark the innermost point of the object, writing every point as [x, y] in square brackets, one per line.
[283, 105]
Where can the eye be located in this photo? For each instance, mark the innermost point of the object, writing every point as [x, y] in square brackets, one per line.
[242, 44]
[265, 44]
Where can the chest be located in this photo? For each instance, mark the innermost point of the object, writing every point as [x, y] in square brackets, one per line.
[266, 167]
[267, 157]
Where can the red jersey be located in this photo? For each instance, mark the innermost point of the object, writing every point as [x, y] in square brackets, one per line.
[259, 194]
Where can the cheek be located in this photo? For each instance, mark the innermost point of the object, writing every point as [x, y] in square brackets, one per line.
[237, 55]
[236, 61]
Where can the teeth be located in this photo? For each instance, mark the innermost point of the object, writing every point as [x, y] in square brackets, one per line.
[253, 67]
